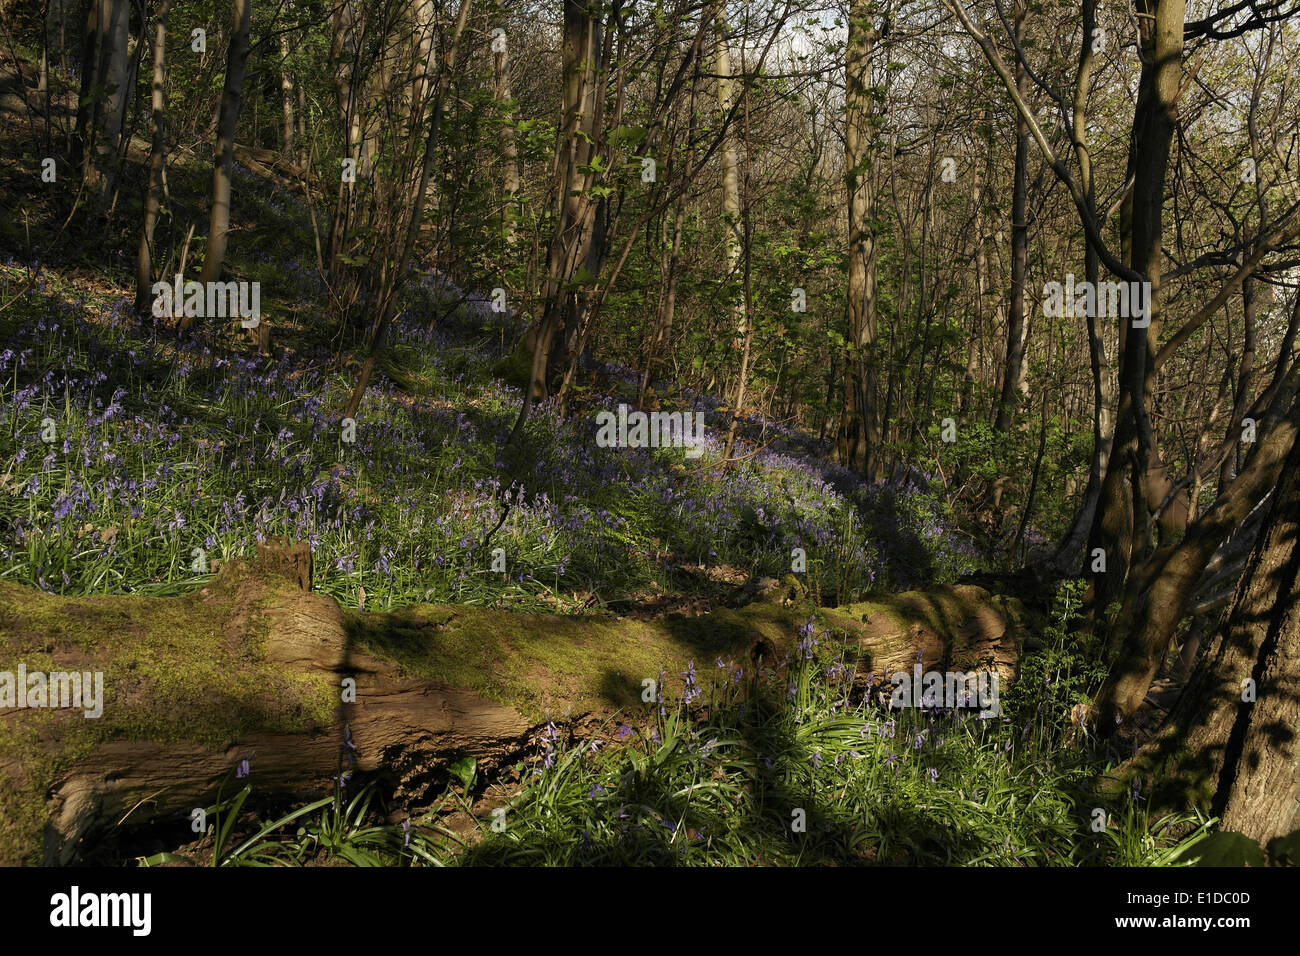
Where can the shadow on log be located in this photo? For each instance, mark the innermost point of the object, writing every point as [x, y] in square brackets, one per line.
[255, 666]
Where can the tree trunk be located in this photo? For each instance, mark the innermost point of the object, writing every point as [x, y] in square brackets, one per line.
[1259, 786]
[387, 297]
[1103, 390]
[1161, 586]
[574, 244]
[430, 686]
[343, 60]
[286, 102]
[1123, 527]
[859, 436]
[509, 149]
[104, 96]
[214, 256]
[731, 212]
[157, 160]
[1222, 748]
[1245, 370]
[1012, 372]
[663, 322]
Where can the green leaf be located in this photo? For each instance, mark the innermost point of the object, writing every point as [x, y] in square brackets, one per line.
[465, 770]
[1224, 848]
[1286, 850]
[627, 135]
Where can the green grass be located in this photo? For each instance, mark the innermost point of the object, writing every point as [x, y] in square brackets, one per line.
[797, 765]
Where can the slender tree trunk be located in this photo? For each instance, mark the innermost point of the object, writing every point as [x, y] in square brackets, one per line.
[157, 162]
[668, 304]
[286, 100]
[731, 212]
[576, 213]
[214, 256]
[1013, 370]
[1123, 526]
[860, 429]
[344, 60]
[1245, 370]
[1103, 389]
[104, 94]
[510, 179]
[388, 294]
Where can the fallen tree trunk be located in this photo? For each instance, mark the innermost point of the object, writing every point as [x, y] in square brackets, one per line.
[256, 667]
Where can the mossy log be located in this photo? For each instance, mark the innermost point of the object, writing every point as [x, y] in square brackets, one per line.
[253, 666]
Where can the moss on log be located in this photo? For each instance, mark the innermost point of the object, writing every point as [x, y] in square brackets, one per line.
[251, 666]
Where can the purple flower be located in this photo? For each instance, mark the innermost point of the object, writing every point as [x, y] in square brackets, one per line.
[623, 732]
[933, 774]
[243, 769]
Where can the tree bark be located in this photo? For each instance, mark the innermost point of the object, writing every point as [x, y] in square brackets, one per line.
[574, 244]
[214, 255]
[1259, 786]
[731, 212]
[1103, 388]
[1008, 398]
[1157, 595]
[1234, 757]
[859, 436]
[387, 296]
[154, 761]
[286, 102]
[510, 181]
[157, 162]
[104, 95]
